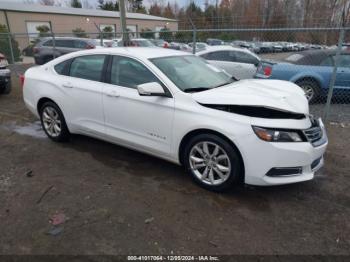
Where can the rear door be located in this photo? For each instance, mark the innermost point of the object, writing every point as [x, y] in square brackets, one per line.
[82, 85]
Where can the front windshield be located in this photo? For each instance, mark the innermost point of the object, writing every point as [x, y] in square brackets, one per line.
[191, 72]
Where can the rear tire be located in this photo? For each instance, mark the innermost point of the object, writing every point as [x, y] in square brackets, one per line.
[212, 162]
[53, 122]
[311, 89]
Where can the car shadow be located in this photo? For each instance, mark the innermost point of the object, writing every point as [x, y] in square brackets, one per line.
[172, 177]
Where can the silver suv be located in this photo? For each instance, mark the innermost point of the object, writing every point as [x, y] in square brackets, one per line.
[48, 48]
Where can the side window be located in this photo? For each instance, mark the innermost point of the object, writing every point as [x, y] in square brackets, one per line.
[64, 43]
[128, 72]
[62, 67]
[242, 57]
[327, 61]
[80, 44]
[219, 56]
[344, 61]
[48, 43]
[87, 67]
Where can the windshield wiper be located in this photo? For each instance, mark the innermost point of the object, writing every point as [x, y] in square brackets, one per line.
[196, 89]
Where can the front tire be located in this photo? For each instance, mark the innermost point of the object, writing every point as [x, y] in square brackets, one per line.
[212, 162]
[53, 122]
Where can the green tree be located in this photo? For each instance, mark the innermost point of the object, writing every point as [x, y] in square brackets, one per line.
[165, 34]
[108, 5]
[147, 33]
[43, 30]
[107, 32]
[78, 32]
[5, 45]
[75, 4]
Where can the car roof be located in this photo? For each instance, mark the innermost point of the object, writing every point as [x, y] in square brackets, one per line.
[314, 57]
[140, 52]
[65, 37]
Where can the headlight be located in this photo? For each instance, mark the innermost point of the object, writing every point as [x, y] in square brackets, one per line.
[274, 135]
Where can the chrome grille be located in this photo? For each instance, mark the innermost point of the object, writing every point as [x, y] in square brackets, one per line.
[314, 133]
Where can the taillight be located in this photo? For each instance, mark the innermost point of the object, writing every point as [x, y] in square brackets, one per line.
[165, 45]
[267, 70]
[21, 79]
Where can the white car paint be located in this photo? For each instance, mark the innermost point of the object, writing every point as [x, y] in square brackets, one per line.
[237, 69]
[156, 125]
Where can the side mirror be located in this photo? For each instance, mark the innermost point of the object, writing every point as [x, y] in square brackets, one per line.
[150, 89]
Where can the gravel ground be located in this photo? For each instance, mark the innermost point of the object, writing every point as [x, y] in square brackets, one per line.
[117, 201]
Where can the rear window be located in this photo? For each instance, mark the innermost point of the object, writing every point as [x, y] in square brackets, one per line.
[294, 58]
[87, 67]
[62, 68]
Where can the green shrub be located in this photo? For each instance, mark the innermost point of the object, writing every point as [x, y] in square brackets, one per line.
[5, 45]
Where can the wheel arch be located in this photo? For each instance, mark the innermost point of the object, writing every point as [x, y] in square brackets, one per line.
[201, 131]
[316, 79]
[42, 101]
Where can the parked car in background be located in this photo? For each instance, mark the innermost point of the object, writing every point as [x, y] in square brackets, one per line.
[238, 62]
[200, 46]
[136, 42]
[48, 48]
[213, 41]
[346, 46]
[277, 47]
[5, 76]
[178, 107]
[180, 46]
[312, 71]
[248, 45]
[265, 47]
[105, 43]
[160, 43]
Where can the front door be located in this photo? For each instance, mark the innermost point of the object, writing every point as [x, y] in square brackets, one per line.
[142, 122]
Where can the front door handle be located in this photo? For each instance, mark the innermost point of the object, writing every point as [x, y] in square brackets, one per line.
[67, 85]
[112, 94]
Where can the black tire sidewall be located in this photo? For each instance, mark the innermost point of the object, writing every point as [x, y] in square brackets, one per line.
[64, 135]
[237, 168]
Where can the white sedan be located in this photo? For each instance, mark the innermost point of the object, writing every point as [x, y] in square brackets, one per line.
[176, 106]
[238, 62]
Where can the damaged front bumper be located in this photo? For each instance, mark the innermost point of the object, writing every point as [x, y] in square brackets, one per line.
[272, 163]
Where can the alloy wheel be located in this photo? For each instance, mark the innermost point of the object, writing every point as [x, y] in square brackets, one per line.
[210, 163]
[51, 121]
[309, 92]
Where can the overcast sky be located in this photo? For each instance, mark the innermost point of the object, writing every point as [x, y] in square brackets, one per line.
[94, 3]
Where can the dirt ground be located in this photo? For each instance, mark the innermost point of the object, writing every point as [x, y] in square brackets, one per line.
[117, 201]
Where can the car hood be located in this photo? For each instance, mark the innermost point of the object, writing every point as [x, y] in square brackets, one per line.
[274, 94]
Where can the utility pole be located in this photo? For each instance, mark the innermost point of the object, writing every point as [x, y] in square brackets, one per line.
[125, 34]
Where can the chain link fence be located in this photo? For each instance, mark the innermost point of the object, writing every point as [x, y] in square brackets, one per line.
[316, 59]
